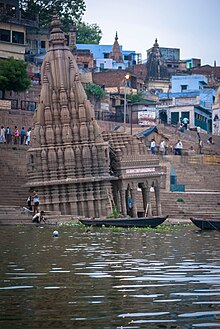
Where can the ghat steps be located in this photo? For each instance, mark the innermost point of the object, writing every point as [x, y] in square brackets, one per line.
[201, 176]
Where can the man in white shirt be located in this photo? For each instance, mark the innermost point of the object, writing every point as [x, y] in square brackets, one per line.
[178, 147]
[153, 146]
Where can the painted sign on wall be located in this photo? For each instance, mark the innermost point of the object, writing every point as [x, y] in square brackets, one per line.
[147, 117]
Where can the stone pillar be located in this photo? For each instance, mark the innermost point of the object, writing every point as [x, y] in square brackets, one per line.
[116, 197]
[144, 197]
[149, 212]
[158, 202]
[123, 202]
[133, 196]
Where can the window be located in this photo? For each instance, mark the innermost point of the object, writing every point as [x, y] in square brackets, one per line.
[5, 35]
[106, 55]
[127, 57]
[43, 44]
[17, 37]
[183, 87]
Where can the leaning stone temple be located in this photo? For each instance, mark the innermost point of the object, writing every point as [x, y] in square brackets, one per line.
[75, 168]
[156, 67]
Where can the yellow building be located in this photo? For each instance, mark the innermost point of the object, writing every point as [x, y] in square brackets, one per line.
[12, 40]
[13, 30]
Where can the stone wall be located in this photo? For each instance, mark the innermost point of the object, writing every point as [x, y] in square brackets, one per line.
[19, 118]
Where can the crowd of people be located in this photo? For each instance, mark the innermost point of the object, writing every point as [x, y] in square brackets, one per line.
[164, 149]
[14, 136]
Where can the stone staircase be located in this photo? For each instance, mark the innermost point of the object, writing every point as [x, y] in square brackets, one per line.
[188, 137]
[197, 173]
[13, 175]
[182, 206]
[15, 216]
[200, 174]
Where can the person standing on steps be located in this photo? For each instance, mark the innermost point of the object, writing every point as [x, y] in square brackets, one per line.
[200, 146]
[16, 135]
[185, 122]
[36, 202]
[28, 137]
[8, 135]
[2, 136]
[29, 202]
[162, 147]
[198, 132]
[178, 148]
[153, 146]
[23, 135]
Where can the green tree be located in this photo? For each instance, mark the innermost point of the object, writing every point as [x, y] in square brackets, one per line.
[13, 75]
[69, 12]
[94, 92]
[136, 98]
[87, 33]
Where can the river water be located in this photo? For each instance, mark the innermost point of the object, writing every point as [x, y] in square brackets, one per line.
[162, 278]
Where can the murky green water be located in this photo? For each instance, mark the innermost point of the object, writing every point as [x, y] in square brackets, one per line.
[109, 279]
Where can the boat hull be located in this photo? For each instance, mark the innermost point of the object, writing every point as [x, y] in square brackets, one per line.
[125, 222]
[206, 224]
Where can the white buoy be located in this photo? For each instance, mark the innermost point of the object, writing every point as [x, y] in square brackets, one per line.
[55, 233]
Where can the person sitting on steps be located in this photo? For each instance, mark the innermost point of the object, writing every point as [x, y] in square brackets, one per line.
[37, 218]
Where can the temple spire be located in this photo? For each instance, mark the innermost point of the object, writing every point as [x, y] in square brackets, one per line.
[116, 53]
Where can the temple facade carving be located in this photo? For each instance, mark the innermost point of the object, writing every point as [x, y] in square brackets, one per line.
[68, 162]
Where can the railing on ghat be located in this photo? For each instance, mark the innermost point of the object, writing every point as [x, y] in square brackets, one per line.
[205, 159]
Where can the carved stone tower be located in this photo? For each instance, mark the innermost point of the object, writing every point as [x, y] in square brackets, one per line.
[116, 53]
[156, 67]
[68, 163]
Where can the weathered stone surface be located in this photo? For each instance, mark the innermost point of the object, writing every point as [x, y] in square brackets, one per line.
[60, 162]
[75, 168]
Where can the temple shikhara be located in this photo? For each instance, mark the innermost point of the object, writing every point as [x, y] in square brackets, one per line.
[76, 168]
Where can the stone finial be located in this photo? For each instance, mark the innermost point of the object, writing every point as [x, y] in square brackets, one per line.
[56, 34]
[156, 43]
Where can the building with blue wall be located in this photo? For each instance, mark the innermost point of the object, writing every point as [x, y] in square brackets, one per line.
[186, 83]
[101, 54]
[188, 98]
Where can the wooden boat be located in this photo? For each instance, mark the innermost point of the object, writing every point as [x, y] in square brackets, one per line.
[206, 223]
[125, 222]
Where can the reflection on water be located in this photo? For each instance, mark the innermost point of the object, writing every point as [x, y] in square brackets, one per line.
[109, 279]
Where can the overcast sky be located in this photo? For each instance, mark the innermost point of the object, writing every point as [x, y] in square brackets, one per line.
[191, 25]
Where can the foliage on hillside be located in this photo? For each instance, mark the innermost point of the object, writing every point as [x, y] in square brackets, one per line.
[94, 91]
[136, 98]
[13, 75]
[87, 33]
[69, 12]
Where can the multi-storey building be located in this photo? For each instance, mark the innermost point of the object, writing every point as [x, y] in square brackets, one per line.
[13, 29]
